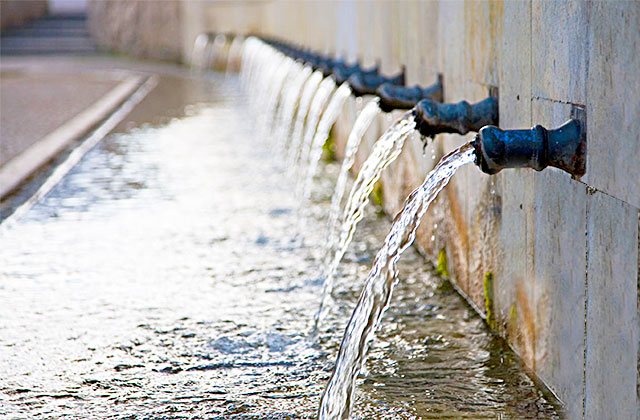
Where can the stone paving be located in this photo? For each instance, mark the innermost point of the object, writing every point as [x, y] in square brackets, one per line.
[32, 104]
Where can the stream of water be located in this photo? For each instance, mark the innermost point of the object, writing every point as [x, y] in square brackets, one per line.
[310, 88]
[384, 152]
[360, 126]
[316, 110]
[321, 135]
[160, 277]
[376, 295]
[286, 118]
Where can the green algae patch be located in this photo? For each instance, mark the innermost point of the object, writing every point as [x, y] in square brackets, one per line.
[442, 265]
[487, 284]
[377, 195]
[513, 314]
[329, 148]
[512, 326]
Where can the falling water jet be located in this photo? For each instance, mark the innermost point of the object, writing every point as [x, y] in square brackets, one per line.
[337, 399]
[200, 45]
[384, 152]
[280, 99]
[429, 117]
[310, 88]
[234, 55]
[329, 117]
[273, 94]
[362, 123]
[288, 109]
[316, 109]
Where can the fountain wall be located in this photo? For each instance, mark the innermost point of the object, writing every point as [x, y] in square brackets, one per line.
[551, 262]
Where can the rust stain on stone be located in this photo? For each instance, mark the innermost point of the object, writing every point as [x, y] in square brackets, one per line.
[483, 26]
[458, 238]
[526, 330]
[483, 240]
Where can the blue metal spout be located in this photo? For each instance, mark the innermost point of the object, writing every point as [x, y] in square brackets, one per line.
[400, 97]
[342, 74]
[564, 148]
[367, 84]
[434, 118]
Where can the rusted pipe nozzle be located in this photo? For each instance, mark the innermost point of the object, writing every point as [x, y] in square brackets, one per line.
[434, 118]
[563, 148]
[367, 84]
[400, 97]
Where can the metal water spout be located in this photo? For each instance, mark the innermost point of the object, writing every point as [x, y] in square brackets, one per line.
[564, 148]
[434, 118]
[342, 74]
[400, 97]
[367, 84]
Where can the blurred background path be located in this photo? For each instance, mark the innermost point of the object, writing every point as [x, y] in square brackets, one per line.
[54, 85]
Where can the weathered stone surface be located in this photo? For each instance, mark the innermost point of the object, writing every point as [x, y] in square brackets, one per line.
[559, 50]
[558, 267]
[613, 107]
[483, 26]
[612, 311]
[139, 28]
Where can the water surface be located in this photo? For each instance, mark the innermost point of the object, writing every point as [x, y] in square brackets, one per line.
[162, 278]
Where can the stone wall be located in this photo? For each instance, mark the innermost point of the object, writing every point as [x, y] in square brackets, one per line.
[150, 29]
[551, 262]
[16, 12]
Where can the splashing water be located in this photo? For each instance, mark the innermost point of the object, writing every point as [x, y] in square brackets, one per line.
[376, 295]
[310, 88]
[326, 88]
[385, 151]
[329, 117]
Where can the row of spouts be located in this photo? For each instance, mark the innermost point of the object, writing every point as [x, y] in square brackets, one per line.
[492, 150]
[537, 148]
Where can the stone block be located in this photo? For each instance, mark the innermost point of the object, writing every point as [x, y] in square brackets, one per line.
[613, 85]
[559, 287]
[611, 377]
[451, 44]
[515, 92]
[559, 261]
[559, 50]
[483, 22]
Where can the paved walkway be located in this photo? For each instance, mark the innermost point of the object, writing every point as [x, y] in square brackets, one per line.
[34, 103]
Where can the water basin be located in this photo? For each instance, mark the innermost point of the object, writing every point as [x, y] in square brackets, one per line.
[163, 278]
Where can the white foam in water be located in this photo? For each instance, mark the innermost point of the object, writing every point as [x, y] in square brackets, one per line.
[376, 295]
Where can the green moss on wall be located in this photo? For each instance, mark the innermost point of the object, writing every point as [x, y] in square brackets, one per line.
[377, 196]
[488, 299]
[329, 148]
[442, 265]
